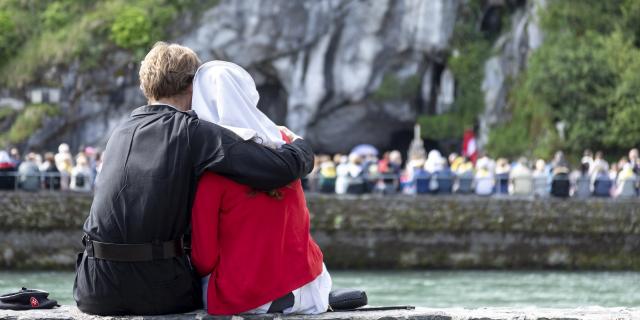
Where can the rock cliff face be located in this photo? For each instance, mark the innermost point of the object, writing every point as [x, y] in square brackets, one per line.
[320, 63]
[512, 51]
[340, 72]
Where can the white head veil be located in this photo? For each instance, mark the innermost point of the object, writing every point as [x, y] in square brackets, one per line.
[4, 156]
[434, 161]
[225, 94]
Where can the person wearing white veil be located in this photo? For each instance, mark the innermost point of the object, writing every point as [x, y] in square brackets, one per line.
[225, 94]
[261, 236]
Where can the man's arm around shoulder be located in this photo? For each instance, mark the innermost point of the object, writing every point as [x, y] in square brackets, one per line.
[222, 151]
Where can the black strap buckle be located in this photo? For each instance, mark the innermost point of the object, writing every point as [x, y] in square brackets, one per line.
[133, 252]
[88, 245]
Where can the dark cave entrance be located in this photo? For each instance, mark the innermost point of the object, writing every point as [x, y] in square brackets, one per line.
[273, 100]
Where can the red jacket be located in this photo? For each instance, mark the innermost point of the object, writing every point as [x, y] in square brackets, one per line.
[257, 248]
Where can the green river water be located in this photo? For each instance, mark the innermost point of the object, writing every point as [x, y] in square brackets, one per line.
[437, 289]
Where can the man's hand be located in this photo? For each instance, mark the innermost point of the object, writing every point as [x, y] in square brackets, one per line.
[292, 136]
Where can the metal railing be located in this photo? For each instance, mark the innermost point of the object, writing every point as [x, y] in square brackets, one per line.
[542, 186]
[41, 181]
[380, 184]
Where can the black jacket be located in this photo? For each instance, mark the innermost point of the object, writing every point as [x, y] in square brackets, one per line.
[144, 194]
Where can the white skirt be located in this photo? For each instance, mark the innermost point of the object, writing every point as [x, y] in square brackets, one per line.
[312, 298]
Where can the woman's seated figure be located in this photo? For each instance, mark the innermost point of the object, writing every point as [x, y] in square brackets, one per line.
[521, 178]
[601, 181]
[327, 180]
[625, 187]
[540, 179]
[251, 247]
[464, 173]
[560, 182]
[582, 187]
[502, 176]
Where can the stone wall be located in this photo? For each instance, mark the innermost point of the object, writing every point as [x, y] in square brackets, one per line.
[42, 230]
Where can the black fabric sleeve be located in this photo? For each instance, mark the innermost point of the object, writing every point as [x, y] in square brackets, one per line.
[219, 150]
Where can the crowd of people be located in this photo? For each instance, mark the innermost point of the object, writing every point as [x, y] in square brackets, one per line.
[436, 174]
[49, 171]
[367, 173]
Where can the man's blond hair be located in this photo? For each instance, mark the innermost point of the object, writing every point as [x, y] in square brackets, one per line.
[167, 70]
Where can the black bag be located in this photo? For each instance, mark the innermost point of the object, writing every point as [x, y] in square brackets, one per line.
[347, 299]
[27, 299]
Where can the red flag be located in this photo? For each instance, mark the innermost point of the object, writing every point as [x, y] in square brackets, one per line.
[469, 148]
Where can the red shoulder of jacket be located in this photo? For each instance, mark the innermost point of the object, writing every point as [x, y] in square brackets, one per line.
[211, 183]
[208, 179]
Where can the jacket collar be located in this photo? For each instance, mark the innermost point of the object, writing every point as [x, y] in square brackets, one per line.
[158, 108]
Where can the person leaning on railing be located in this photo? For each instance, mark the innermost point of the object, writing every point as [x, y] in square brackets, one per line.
[625, 186]
[483, 180]
[560, 182]
[327, 177]
[445, 178]
[81, 175]
[52, 176]
[464, 174]
[601, 181]
[29, 174]
[502, 176]
[521, 178]
[540, 179]
[582, 187]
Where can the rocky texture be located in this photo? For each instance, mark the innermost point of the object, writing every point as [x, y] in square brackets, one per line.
[90, 102]
[512, 51]
[341, 72]
[331, 57]
[68, 312]
[37, 249]
[384, 232]
[41, 230]
[43, 211]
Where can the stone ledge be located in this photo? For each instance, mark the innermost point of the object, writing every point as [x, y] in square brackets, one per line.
[588, 313]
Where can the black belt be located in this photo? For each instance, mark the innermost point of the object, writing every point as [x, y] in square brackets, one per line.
[134, 252]
[282, 303]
